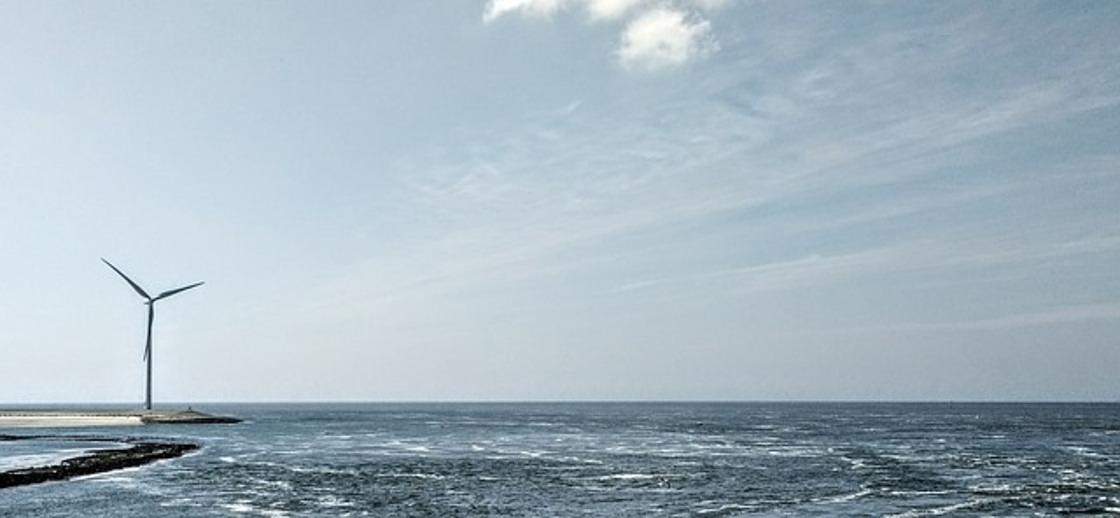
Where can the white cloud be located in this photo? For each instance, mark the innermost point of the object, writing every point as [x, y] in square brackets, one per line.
[531, 8]
[658, 34]
[664, 38]
[710, 5]
[610, 9]
[596, 9]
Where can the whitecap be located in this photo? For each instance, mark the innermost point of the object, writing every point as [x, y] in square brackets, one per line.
[855, 463]
[334, 501]
[723, 508]
[110, 476]
[939, 511]
[849, 497]
[240, 506]
[630, 476]
[425, 476]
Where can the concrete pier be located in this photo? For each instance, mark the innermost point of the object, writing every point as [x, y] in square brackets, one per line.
[81, 418]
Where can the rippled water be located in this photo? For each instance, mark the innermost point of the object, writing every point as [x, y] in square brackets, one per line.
[615, 460]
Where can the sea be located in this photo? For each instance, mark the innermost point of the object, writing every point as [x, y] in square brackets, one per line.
[603, 459]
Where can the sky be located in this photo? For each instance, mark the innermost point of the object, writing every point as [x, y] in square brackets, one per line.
[561, 200]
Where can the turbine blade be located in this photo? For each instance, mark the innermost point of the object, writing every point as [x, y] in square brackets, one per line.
[169, 293]
[130, 283]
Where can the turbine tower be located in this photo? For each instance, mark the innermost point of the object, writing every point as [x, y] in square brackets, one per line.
[151, 302]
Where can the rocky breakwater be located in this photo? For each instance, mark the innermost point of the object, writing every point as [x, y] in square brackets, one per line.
[138, 452]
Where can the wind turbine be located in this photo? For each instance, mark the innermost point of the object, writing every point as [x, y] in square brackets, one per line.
[151, 302]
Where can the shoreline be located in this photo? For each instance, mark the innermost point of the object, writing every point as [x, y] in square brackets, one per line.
[66, 421]
[139, 453]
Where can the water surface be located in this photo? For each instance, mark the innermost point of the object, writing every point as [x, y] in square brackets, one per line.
[612, 459]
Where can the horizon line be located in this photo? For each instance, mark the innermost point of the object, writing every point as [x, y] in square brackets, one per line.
[575, 401]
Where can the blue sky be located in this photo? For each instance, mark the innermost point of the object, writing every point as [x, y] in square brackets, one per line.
[561, 199]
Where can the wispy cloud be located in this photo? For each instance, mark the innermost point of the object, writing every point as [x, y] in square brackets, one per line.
[581, 187]
[1059, 315]
[816, 270]
[811, 270]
